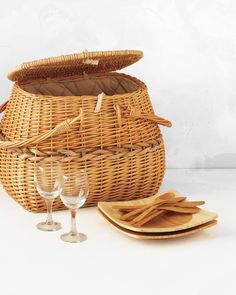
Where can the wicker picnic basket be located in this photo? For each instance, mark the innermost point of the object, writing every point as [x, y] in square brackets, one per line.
[77, 110]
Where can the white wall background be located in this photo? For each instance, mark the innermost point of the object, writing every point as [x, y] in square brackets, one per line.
[189, 62]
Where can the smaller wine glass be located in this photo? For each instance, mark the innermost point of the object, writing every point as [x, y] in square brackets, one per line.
[74, 189]
[46, 180]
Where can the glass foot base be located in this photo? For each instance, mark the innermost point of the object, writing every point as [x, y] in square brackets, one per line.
[44, 226]
[73, 238]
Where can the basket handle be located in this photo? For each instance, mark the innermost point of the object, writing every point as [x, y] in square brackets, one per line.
[58, 129]
[135, 113]
[3, 106]
[154, 118]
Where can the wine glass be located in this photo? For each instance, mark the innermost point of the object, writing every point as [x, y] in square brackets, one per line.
[46, 180]
[74, 189]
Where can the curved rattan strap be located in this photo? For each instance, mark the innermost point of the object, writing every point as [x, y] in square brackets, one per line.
[130, 112]
[3, 106]
[135, 113]
[59, 129]
[64, 156]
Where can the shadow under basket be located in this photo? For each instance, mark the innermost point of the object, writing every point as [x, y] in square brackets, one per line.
[75, 110]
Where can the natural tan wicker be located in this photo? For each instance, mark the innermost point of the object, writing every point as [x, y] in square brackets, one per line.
[52, 115]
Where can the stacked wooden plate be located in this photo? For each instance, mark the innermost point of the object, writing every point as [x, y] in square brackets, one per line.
[165, 226]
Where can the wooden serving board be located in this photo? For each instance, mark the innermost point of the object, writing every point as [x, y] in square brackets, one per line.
[167, 222]
[160, 236]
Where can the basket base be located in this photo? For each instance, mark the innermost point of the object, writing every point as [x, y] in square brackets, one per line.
[116, 177]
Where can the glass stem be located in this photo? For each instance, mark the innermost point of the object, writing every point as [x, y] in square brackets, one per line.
[49, 211]
[73, 222]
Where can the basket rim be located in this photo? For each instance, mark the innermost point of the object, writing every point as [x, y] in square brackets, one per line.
[141, 84]
[72, 64]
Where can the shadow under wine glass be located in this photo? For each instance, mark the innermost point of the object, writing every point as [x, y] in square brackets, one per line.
[74, 189]
[46, 180]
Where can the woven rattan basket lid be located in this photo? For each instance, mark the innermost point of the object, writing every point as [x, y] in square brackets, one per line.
[74, 64]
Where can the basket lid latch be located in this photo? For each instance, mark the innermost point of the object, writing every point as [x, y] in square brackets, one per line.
[99, 102]
[89, 61]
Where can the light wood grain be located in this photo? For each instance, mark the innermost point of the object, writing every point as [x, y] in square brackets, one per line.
[156, 202]
[159, 236]
[177, 222]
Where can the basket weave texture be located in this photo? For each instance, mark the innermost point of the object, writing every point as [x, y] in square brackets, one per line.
[120, 145]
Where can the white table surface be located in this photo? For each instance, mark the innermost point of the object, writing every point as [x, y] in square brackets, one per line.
[34, 262]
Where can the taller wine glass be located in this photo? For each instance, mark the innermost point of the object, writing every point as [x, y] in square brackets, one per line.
[74, 189]
[46, 180]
